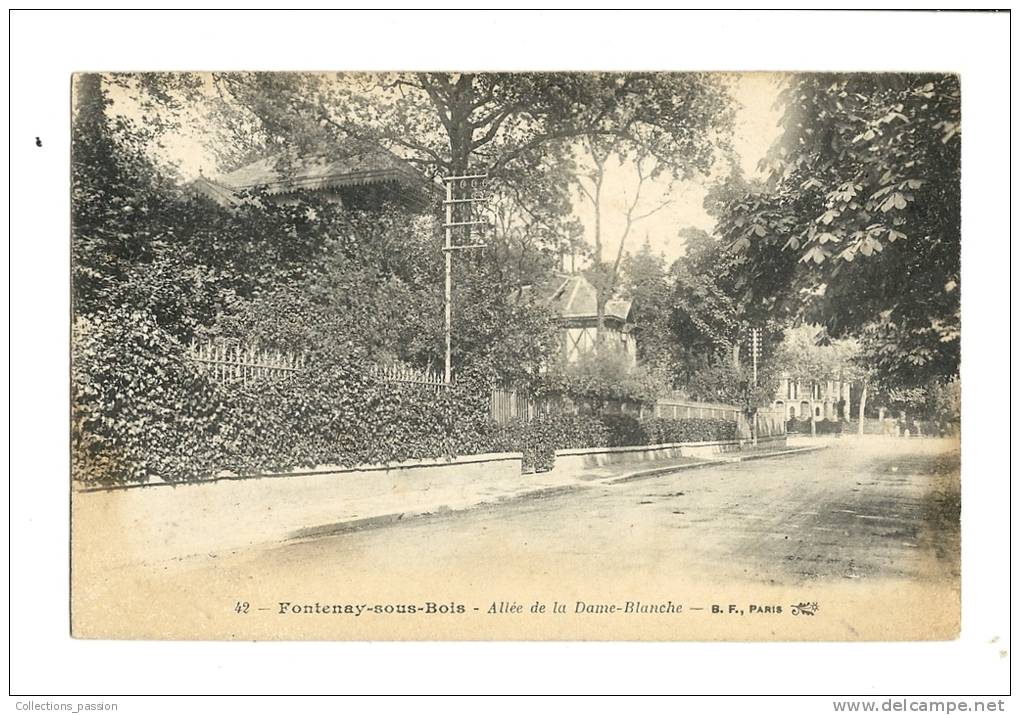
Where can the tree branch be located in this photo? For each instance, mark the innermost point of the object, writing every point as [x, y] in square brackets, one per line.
[441, 104]
[491, 133]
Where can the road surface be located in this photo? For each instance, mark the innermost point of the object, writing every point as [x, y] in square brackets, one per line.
[870, 525]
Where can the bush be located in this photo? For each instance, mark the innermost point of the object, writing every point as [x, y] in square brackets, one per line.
[662, 430]
[540, 438]
[605, 376]
[628, 431]
[142, 410]
[795, 426]
[137, 408]
[624, 431]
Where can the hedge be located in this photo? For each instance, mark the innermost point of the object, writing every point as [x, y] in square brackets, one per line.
[539, 438]
[613, 430]
[141, 410]
[627, 431]
[822, 426]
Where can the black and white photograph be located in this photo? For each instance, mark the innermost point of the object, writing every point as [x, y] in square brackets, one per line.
[600, 355]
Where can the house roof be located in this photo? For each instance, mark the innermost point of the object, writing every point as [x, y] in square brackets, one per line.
[574, 297]
[278, 175]
[219, 193]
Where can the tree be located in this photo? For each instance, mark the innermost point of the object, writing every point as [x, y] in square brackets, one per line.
[603, 275]
[502, 121]
[860, 217]
[514, 126]
[531, 229]
[705, 312]
[712, 314]
[448, 122]
[937, 400]
[809, 355]
[520, 128]
[944, 400]
[645, 281]
[135, 237]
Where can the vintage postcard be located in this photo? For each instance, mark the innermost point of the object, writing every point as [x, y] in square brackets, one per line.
[515, 356]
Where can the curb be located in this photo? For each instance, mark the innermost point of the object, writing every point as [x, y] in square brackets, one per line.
[660, 471]
[545, 492]
[784, 453]
[375, 522]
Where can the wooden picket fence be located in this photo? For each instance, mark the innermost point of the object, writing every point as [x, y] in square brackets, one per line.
[506, 405]
[229, 361]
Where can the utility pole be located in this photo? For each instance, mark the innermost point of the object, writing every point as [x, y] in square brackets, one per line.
[755, 346]
[457, 202]
[754, 355]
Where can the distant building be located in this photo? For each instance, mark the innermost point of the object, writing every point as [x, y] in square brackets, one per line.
[573, 299]
[358, 179]
[827, 399]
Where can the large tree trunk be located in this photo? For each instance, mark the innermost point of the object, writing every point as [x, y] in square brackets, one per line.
[860, 409]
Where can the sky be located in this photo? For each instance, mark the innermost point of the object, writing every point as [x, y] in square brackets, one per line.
[755, 128]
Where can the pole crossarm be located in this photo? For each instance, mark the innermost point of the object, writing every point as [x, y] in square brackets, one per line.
[473, 199]
[448, 247]
[466, 223]
[461, 248]
[465, 177]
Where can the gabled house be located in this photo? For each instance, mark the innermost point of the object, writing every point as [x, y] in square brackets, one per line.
[573, 299]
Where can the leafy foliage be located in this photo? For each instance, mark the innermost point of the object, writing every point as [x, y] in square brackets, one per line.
[706, 314]
[938, 400]
[136, 407]
[155, 267]
[141, 410]
[860, 219]
[710, 324]
[628, 431]
[808, 354]
[141, 241]
[540, 438]
[599, 377]
[448, 121]
[646, 283]
[820, 426]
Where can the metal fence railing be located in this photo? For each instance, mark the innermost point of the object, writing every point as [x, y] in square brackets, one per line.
[411, 376]
[233, 362]
[227, 361]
